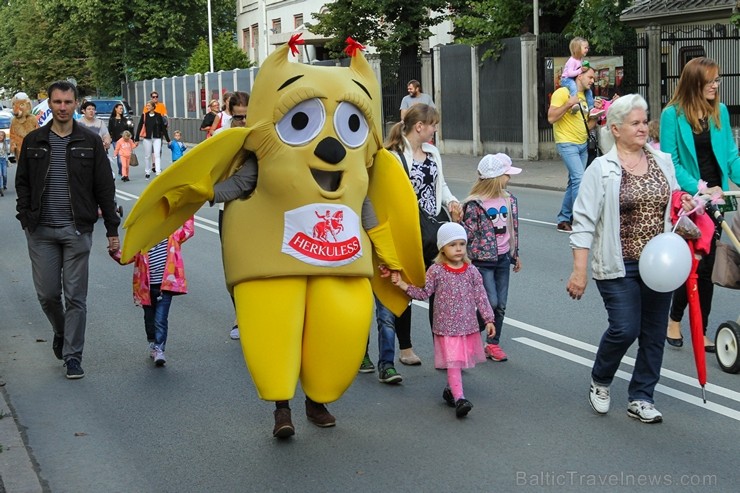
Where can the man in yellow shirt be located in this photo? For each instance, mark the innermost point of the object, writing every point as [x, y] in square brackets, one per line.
[571, 139]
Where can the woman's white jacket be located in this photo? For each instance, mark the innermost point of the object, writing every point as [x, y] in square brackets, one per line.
[596, 223]
[442, 192]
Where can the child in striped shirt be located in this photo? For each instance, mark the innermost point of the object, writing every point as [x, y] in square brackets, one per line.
[158, 276]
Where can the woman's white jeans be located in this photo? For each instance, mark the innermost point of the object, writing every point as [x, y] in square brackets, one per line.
[152, 146]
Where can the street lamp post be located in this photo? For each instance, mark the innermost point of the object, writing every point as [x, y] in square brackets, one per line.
[210, 37]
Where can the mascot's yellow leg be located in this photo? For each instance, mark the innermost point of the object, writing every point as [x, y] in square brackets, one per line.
[338, 316]
[270, 313]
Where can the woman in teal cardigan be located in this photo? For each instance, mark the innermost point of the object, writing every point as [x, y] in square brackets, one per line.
[695, 130]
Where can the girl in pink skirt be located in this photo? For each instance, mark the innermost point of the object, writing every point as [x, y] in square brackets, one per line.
[458, 291]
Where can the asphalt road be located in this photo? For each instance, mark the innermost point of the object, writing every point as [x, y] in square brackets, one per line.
[197, 425]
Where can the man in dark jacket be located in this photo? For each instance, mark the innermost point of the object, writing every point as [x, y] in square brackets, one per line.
[63, 177]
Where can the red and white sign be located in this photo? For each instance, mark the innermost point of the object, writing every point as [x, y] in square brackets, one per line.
[327, 235]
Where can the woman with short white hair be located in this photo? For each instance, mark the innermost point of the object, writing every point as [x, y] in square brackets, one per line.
[623, 202]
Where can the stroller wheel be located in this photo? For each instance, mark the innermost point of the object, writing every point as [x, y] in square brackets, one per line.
[728, 342]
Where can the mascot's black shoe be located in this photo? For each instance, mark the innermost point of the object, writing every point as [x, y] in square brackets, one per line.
[319, 415]
[283, 425]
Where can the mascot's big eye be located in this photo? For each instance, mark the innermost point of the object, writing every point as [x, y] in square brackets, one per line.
[350, 124]
[302, 123]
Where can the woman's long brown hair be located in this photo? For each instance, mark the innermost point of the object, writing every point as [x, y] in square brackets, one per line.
[689, 95]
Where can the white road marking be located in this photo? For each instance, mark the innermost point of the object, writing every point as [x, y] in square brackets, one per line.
[691, 399]
[535, 221]
[207, 221]
[198, 220]
[664, 373]
[125, 195]
[207, 228]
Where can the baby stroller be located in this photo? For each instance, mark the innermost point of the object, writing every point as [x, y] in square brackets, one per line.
[726, 273]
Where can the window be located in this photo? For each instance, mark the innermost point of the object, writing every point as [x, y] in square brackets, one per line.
[254, 30]
[688, 52]
[276, 26]
[297, 21]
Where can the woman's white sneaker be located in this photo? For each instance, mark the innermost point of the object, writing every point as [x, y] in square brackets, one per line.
[644, 411]
[598, 397]
[159, 359]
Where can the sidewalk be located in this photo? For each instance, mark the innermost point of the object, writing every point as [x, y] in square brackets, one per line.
[17, 470]
[546, 174]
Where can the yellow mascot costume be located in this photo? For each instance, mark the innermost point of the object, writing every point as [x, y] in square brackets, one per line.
[301, 267]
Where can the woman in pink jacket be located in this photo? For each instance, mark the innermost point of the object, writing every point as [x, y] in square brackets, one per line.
[158, 276]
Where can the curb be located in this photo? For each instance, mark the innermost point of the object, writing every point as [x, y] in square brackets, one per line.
[17, 468]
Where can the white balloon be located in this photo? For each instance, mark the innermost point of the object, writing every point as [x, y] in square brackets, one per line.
[665, 262]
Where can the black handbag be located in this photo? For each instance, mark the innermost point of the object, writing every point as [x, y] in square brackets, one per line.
[429, 225]
[594, 150]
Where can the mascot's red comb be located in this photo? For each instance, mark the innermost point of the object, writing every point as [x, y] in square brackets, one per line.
[352, 46]
[294, 42]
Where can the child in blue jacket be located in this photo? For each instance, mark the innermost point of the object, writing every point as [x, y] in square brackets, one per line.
[176, 146]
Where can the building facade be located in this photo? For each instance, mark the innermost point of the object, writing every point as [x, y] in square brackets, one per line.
[264, 24]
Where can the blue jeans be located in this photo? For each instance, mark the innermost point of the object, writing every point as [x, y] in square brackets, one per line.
[155, 316]
[386, 335]
[635, 312]
[3, 172]
[574, 156]
[573, 90]
[496, 282]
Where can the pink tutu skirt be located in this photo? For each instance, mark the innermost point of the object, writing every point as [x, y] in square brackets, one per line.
[458, 351]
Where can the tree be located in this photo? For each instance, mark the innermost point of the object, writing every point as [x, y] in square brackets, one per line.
[226, 56]
[598, 22]
[103, 42]
[394, 27]
[487, 22]
[35, 52]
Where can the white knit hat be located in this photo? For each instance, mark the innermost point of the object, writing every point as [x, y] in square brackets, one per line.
[494, 165]
[450, 232]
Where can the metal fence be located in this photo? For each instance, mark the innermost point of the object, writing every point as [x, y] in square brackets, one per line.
[456, 105]
[500, 89]
[394, 83]
[720, 42]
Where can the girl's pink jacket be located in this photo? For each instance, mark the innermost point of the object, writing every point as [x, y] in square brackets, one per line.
[124, 148]
[174, 270]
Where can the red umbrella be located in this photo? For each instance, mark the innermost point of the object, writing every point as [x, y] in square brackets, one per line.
[695, 320]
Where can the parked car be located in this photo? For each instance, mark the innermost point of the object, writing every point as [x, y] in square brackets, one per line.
[104, 108]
